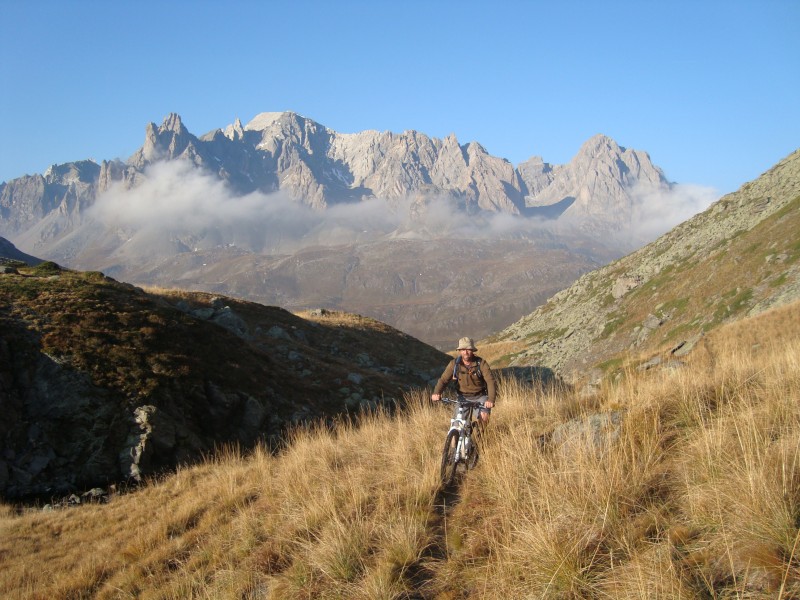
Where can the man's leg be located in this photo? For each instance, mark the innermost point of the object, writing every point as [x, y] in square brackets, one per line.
[483, 415]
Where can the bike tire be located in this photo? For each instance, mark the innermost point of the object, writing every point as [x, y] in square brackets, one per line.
[472, 456]
[449, 457]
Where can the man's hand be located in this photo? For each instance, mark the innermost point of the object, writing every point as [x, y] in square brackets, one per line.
[436, 397]
[489, 404]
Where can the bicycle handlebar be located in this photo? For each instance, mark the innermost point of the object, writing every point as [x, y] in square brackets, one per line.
[465, 402]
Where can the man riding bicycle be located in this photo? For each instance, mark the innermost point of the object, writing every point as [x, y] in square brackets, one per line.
[473, 378]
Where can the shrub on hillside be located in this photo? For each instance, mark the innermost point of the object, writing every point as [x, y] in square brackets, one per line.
[45, 269]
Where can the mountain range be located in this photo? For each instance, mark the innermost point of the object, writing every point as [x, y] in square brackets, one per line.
[320, 167]
[285, 211]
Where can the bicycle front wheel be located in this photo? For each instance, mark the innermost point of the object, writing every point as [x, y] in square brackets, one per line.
[449, 457]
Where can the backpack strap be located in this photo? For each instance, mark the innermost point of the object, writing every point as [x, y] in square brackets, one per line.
[455, 368]
[458, 362]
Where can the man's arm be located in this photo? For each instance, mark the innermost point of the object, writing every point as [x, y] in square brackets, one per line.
[444, 380]
[488, 378]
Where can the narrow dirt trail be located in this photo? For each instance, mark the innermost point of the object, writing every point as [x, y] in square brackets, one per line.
[421, 574]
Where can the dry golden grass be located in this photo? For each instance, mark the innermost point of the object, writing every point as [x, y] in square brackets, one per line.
[337, 317]
[667, 484]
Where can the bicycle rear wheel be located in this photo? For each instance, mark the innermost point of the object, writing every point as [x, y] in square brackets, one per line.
[449, 457]
[472, 454]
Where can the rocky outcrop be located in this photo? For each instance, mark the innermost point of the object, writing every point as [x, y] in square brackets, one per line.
[60, 432]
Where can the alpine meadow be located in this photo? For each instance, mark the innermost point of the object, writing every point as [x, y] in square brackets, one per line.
[678, 483]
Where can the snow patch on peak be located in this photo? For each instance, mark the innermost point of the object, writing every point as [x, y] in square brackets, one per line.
[263, 120]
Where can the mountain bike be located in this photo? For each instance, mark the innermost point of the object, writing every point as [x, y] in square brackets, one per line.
[459, 446]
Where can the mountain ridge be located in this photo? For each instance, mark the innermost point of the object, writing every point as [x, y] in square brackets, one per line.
[318, 167]
[10, 256]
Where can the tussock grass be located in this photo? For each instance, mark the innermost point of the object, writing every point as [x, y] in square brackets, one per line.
[673, 483]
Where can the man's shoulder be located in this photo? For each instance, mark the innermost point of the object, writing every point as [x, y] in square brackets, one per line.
[485, 364]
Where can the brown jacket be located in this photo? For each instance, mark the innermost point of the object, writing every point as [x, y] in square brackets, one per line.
[469, 383]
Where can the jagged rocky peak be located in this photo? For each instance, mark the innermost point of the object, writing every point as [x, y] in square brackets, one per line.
[451, 141]
[596, 189]
[234, 132]
[85, 171]
[173, 123]
[171, 126]
[170, 140]
[286, 132]
[536, 174]
[599, 144]
[629, 165]
[600, 150]
[286, 119]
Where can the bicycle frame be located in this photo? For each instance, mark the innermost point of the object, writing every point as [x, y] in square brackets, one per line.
[462, 424]
[462, 421]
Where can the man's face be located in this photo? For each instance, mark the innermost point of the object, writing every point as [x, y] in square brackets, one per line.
[467, 354]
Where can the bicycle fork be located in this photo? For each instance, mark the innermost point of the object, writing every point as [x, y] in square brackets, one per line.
[464, 443]
[461, 423]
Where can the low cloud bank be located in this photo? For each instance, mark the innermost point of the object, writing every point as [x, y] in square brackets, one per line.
[184, 202]
[656, 211]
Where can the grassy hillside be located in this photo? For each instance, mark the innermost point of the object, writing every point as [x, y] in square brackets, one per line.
[669, 483]
[134, 340]
[100, 380]
[738, 258]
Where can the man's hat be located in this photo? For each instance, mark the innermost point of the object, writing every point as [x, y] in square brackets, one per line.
[466, 343]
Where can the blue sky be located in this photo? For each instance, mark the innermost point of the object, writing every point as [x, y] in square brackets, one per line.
[710, 89]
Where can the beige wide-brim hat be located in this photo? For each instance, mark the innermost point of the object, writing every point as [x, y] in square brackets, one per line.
[466, 343]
